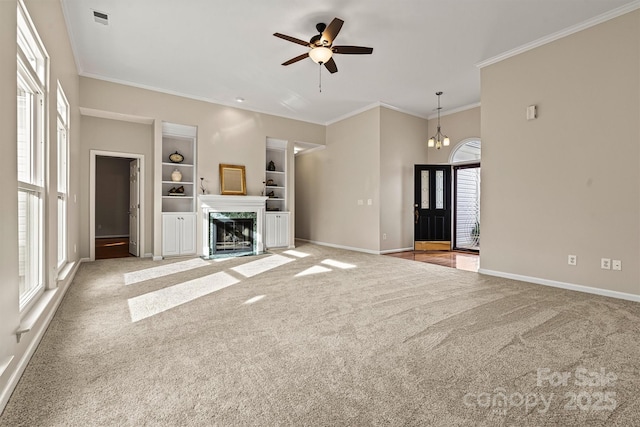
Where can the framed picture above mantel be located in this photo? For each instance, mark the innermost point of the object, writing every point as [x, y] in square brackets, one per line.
[232, 180]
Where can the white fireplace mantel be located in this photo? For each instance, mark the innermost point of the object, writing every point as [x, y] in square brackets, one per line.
[218, 203]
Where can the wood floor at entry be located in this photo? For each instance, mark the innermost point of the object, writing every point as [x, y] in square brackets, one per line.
[113, 247]
[459, 260]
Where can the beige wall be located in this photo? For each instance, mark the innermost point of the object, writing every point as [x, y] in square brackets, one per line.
[49, 21]
[403, 143]
[458, 127]
[367, 156]
[567, 182]
[225, 134]
[118, 137]
[330, 182]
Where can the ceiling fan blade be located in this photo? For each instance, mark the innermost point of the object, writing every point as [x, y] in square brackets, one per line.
[352, 50]
[331, 66]
[291, 39]
[331, 32]
[296, 59]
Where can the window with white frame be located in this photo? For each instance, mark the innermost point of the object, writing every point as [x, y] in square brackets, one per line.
[32, 87]
[63, 173]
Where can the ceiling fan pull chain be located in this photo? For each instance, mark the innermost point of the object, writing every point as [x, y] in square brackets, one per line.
[320, 76]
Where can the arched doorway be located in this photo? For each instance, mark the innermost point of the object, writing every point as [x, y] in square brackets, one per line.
[465, 158]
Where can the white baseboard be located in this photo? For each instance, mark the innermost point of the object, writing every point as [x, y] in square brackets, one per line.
[562, 285]
[37, 335]
[393, 251]
[349, 248]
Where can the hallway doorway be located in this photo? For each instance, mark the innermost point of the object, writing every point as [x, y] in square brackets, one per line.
[116, 194]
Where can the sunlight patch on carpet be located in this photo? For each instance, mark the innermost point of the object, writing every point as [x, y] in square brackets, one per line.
[256, 267]
[152, 303]
[254, 299]
[296, 254]
[316, 269]
[337, 264]
[163, 270]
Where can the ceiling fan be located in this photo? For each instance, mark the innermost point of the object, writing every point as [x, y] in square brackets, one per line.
[322, 48]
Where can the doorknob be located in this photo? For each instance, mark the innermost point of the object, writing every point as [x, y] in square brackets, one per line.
[416, 214]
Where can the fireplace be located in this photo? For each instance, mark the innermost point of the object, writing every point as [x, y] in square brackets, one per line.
[232, 233]
[232, 225]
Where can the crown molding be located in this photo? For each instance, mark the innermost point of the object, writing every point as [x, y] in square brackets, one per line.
[230, 105]
[562, 33]
[71, 38]
[194, 97]
[454, 110]
[102, 114]
[400, 110]
[353, 113]
[370, 107]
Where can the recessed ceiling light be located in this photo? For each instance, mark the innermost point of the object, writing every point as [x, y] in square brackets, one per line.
[239, 99]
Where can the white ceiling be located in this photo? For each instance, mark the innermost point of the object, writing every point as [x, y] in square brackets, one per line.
[218, 50]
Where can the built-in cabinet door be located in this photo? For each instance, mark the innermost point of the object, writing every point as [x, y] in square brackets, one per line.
[277, 229]
[188, 238]
[170, 234]
[178, 234]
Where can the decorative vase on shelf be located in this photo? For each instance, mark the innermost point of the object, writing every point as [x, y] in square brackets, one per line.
[176, 175]
[271, 166]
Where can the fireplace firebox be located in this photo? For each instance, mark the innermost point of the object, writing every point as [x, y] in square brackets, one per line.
[232, 233]
[234, 239]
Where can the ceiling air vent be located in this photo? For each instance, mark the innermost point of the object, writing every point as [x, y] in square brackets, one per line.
[100, 17]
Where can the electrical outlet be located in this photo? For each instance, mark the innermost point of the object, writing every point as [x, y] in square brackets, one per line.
[360, 202]
[616, 264]
[573, 260]
[75, 249]
[605, 263]
[369, 202]
[384, 236]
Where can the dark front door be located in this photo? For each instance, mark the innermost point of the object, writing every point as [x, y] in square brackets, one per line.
[432, 207]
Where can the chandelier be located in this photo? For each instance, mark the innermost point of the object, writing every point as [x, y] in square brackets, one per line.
[439, 139]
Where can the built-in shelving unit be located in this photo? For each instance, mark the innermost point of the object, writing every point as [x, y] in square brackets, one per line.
[180, 139]
[277, 215]
[276, 179]
[179, 191]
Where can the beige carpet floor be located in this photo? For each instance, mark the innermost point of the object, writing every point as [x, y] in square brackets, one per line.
[321, 336]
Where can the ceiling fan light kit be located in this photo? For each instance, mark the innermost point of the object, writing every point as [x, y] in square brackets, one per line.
[320, 55]
[321, 46]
